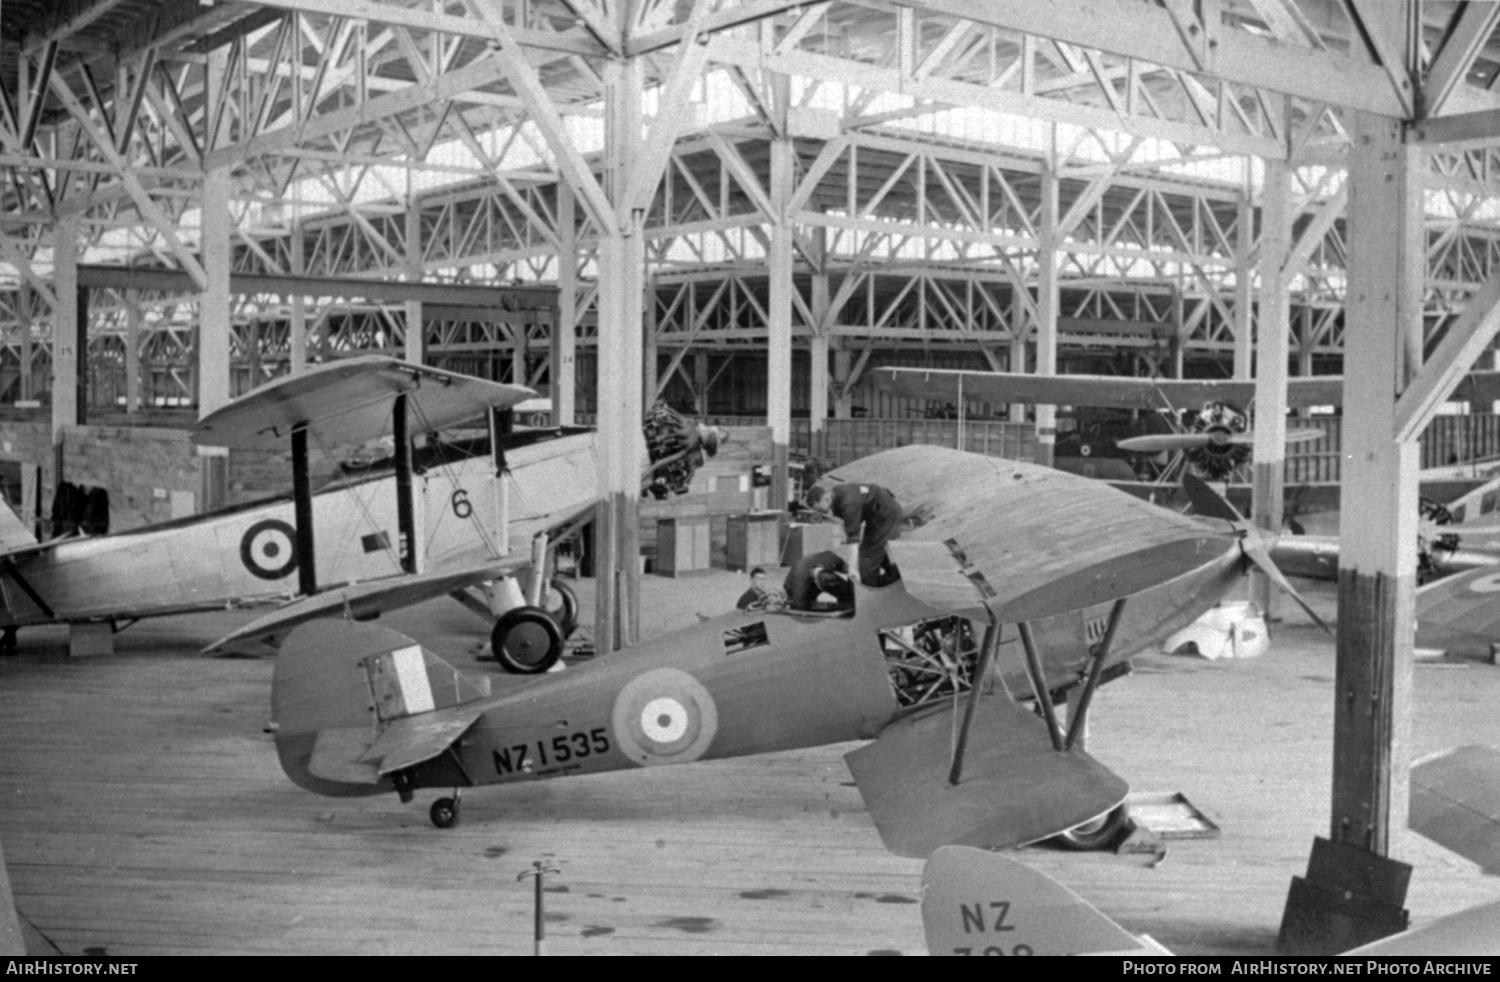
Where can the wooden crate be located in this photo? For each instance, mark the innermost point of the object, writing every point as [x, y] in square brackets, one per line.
[754, 539]
[682, 545]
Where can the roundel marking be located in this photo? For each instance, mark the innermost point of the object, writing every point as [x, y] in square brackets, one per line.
[267, 549]
[664, 716]
[1489, 583]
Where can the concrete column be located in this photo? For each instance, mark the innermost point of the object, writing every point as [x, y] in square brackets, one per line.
[416, 347]
[132, 352]
[213, 308]
[1244, 327]
[1271, 352]
[1017, 411]
[1378, 538]
[565, 330]
[1047, 302]
[69, 329]
[817, 403]
[779, 312]
[298, 326]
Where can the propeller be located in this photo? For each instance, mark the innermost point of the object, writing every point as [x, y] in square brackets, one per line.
[1253, 541]
[1205, 440]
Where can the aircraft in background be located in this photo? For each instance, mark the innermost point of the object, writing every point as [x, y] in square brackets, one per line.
[1200, 419]
[976, 902]
[1035, 583]
[431, 523]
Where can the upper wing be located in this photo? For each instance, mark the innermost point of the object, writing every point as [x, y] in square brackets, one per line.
[349, 401]
[976, 902]
[1096, 390]
[359, 601]
[1044, 541]
[1015, 787]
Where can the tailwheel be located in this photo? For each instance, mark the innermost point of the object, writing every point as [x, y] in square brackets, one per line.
[526, 641]
[444, 813]
[1100, 833]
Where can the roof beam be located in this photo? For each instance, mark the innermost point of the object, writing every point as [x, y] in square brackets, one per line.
[576, 41]
[1475, 23]
[1140, 30]
[1455, 355]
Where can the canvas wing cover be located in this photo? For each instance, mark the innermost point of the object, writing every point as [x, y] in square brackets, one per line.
[1028, 541]
[1460, 608]
[1015, 788]
[1455, 802]
[349, 402]
[361, 601]
[1117, 391]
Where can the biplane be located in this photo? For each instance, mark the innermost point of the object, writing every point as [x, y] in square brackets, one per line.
[981, 903]
[1021, 587]
[429, 524]
[1201, 419]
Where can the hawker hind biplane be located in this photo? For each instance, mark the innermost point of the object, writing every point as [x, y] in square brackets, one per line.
[424, 525]
[1021, 587]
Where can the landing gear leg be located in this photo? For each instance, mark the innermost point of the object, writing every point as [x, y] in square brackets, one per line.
[444, 813]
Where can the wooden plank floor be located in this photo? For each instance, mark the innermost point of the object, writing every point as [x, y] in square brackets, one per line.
[143, 811]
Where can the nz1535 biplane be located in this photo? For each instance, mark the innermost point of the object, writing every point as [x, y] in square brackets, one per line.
[1021, 586]
[426, 525]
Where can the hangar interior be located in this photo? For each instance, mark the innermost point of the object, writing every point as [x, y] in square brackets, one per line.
[744, 207]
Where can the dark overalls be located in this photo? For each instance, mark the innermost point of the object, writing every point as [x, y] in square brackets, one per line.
[875, 510]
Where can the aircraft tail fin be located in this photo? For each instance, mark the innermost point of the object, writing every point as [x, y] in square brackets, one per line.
[352, 703]
[977, 902]
[14, 533]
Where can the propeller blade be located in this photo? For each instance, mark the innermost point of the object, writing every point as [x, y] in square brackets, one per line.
[1255, 547]
[1292, 436]
[1208, 502]
[1164, 441]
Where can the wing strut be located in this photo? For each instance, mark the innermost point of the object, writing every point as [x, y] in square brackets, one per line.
[14, 572]
[406, 523]
[1039, 684]
[976, 686]
[1096, 666]
[307, 574]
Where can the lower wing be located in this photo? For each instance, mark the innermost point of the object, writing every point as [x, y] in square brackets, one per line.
[1015, 787]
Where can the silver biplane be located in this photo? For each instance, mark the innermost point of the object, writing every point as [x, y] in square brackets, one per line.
[426, 525]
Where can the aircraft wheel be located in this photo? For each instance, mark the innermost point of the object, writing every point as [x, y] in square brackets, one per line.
[526, 641]
[444, 813]
[1101, 833]
[562, 607]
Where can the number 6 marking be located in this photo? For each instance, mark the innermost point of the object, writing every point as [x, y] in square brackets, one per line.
[461, 506]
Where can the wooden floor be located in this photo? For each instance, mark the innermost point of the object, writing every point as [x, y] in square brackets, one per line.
[142, 811]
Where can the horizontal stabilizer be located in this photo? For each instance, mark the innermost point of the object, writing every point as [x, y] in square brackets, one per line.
[349, 402]
[413, 739]
[1455, 802]
[338, 754]
[363, 600]
[1015, 787]
[976, 902]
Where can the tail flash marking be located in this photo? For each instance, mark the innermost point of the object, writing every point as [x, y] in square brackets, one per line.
[399, 683]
